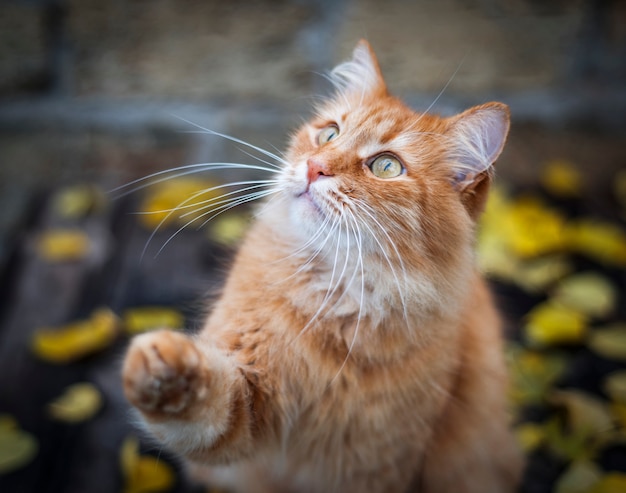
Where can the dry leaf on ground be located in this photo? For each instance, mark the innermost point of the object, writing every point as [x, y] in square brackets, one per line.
[17, 447]
[77, 339]
[79, 402]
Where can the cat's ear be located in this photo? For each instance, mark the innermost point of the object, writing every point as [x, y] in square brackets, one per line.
[477, 137]
[361, 74]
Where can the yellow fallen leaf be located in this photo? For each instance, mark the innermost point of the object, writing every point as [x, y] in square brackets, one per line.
[229, 229]
[76, 340]
[77, 201]
[609, 342]
[589, 293]
[612, 482]
[529, 436]
[569, 444]
[17, 447]
[550, 324]
[79, 402]
[578, 477]
[61, 245]
[143, 319]
[536, 275]
[494, 258]
[601, 241]
[532, 374]
[561, 178]
[143, 473]
[586, 413]
[178, 200]
[614, 385]
[531, 228]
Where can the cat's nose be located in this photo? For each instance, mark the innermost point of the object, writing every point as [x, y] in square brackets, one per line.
[316, 168]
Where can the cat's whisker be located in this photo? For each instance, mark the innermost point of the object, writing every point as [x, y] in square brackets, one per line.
[331, 289]
[164, 220]
[221, 199]
[445, 87]
[401, 292]
[256, 183]
[364, 208]
[181, 171]
[233, 139]
[317, 251]
[354, 224]
[236, 201]
[336, 225]
[223, 208]
[269, 163]
[178, 207]
[306, 245]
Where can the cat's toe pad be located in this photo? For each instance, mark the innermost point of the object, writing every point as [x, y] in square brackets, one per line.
[163, 373]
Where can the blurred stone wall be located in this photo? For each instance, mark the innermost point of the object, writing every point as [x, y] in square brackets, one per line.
[88, 88]
[205, 49]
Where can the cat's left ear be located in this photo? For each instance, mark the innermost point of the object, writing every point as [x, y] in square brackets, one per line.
[477, 137]
[360, 75]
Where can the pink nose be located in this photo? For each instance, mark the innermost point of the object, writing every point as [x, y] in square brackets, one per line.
[316, 169]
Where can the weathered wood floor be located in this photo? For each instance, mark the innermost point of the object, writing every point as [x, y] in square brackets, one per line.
[38, 293]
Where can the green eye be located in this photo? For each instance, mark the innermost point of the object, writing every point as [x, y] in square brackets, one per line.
[386, 166]
[327, 134]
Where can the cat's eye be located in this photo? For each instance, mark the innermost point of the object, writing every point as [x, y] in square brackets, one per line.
[386, 166]
[327, 134]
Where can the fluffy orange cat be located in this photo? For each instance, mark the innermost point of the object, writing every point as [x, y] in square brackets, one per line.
[354, 347]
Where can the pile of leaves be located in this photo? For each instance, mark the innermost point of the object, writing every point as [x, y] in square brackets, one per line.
[560, 275]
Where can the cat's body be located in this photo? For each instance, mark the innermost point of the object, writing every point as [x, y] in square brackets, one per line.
[354, 347]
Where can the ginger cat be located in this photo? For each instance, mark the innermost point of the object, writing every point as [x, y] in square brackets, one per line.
[354, 347]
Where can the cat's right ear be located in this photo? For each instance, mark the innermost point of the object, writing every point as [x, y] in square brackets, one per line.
[360, 75]
[477, 137]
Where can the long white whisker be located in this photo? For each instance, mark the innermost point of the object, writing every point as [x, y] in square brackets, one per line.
[233, 139]
[306, 245]
[365, 208]
[269, 163]
[184, 171]
[359, 243]
[444, 88]
[256, 183]
[178, 207]
[221, 199]
[317, 251]
[223, 208]
[312, 319]
[331, 289]
[234, 203]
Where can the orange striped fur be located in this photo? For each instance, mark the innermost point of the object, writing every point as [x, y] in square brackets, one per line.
[354, 347]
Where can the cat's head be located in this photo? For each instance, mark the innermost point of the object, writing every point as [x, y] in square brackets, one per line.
[369, 164]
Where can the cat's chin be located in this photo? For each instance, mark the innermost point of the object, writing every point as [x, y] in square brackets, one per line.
[308, 206]
[307, 215]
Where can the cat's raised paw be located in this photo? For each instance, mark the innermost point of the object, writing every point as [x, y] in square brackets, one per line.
[163, 373]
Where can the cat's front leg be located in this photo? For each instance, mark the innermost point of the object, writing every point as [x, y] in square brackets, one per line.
[191, 396]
